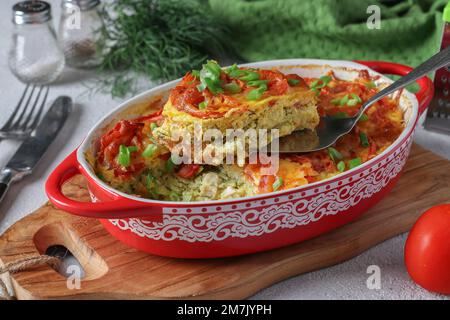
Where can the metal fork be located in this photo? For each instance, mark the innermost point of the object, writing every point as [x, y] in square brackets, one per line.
[27, 113]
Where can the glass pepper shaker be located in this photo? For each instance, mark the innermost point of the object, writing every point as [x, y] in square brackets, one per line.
[79, 32]
[34, 55]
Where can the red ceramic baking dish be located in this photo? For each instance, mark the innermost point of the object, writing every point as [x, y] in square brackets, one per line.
[223, 228]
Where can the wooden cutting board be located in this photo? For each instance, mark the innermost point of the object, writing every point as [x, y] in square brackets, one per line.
[114, 270]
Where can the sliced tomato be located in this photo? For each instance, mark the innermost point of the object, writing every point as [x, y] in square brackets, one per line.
[278, 84]
[122, 134]
[164, 156]
[188, 171]
[154, 117]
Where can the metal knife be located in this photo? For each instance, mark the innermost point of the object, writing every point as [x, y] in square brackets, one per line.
[33, 148]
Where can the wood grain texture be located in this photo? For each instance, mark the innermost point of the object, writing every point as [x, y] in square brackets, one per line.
[114, 270]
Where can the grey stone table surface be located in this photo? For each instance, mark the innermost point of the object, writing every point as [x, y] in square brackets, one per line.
[344, 281]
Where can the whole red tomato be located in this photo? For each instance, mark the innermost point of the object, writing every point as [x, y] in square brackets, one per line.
[427, 250]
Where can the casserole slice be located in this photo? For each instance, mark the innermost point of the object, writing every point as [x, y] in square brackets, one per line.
[237, 98]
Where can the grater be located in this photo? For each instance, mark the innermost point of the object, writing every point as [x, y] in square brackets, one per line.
[438, 114]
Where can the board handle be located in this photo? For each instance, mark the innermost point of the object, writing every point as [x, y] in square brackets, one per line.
[118, 207]
[426, 91]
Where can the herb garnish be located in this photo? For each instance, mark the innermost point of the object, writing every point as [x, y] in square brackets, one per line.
[161, 40]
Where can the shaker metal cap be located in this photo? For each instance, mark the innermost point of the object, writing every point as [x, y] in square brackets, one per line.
[30, 12]
[84, 5]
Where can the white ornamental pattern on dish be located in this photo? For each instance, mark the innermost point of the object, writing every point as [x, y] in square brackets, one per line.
[255, 222]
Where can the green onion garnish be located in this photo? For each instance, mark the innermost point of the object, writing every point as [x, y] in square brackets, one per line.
[354, 163]
[277, 184]
[258, 83]
[293, 82]
[213, 85]
[334, 154]
[124, 157]
[336, 101]
[341, 166]
[364, 140]
[170, 166]
[255, 94]
[354, 101]
[370, 85]
[364, 117]
[356, 97]
[210, 77]
[232, 87]
[202, 105]
[249, 76]
[153, 126]
[234, 71]
[344, 100]
[149, 151]
[173, 196]
[196, 73]
[321, 82]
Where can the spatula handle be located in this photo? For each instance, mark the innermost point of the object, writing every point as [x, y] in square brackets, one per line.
[437, 61]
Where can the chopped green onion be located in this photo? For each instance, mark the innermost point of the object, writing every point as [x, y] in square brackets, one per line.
[210, 77]
[335, 101]
[370, 85]
[314, 84]
[202, 105]
[213, 67]
[133, 149]
[277, 184]
[124, 157]
[100, 176]
[249, 76]
[232, 87]
[341, 166]
[213, 86]
[354, 163]
[321, 82]
[258, 83]
[149, 151]
[356, 97]
[354, 101]
[236, 73]
[173, 196]
[334, 154]
[344, 100]
[364, 117]
[170, 166]
[150, 182]
[364, 140]
[293, 82]
[326, 80]
[196, 73]
[255, 94]
[153, 126]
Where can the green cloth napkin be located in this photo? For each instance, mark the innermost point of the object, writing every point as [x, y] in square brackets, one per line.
[410, 31]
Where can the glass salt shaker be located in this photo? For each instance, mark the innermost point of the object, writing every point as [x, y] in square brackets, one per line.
[79, 32]
[34, 55]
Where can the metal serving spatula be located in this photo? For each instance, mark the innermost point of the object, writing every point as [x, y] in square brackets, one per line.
[331, 128]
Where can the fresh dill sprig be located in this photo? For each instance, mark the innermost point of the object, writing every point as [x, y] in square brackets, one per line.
[160, 39]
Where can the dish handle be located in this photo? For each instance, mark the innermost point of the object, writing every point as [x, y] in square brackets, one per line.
[426, 92]
[117, 208]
